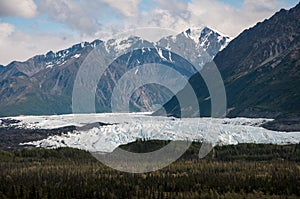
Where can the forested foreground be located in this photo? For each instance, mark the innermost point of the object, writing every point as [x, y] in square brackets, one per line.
[243, 171]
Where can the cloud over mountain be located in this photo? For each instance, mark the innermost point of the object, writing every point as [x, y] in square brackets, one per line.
[15, 8]
[91, 19]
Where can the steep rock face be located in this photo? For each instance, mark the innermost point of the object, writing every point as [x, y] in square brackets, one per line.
[260, 69]
[44, 84]
[266, 43]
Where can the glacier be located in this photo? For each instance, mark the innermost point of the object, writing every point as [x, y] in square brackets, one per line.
[123, 128]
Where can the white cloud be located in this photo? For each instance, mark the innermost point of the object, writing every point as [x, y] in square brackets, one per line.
[177, 15]
[175, 6]
[23, 8]
[263, 5]
[171, 14]
[88, 16]
[19, 45]
[80, 16]
[6, 30]
[228, 19]
[128, 8]
[90, 19]
[161, 18]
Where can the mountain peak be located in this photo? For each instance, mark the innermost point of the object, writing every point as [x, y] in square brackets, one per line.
[193, 33]
[200, 34]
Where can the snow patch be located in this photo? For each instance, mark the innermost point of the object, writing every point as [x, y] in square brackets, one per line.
[136, 71]
[76, 56]
[195, 34]
[49, 65]
[160, 53]
[170, 57]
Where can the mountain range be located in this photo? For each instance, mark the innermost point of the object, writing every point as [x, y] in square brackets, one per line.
[260, 69]
[44, 84]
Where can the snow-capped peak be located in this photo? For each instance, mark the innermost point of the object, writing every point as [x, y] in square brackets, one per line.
[193, 33]
[219, 33]
[119, 45]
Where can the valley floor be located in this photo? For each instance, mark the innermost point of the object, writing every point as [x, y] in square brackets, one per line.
[239, 171]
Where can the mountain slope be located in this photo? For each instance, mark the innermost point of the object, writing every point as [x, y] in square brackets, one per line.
[44, 84]
[260, 69]
[25, 87]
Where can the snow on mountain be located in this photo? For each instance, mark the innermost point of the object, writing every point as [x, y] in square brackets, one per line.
[198, 45]
[124, 128]
[60, 57]
[199, 40]
[76, 56]
[49, 78]
[194, 33]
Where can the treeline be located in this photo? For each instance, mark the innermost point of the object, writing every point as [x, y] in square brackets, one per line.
[242, 171]
[245, 152]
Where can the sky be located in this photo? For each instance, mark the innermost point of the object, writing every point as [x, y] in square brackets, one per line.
[31, 27]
